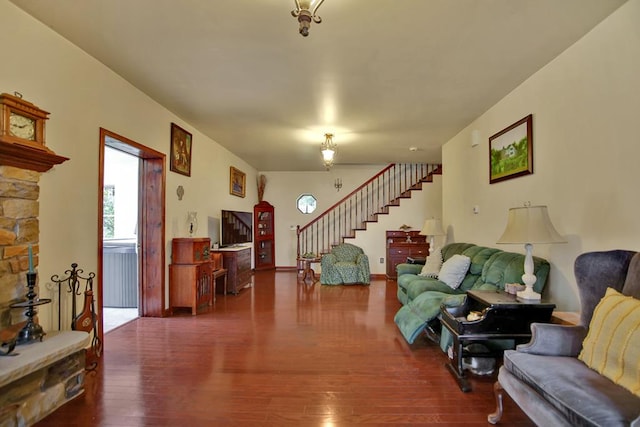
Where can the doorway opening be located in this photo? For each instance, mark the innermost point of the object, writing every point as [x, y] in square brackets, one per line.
[142, 238]
[119, 238]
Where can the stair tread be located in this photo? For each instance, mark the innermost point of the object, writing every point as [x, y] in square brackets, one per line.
[416, 185]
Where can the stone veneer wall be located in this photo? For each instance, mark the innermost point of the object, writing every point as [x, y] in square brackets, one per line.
[36, 395]
[42, 377]
[19, 227]
[38, 377]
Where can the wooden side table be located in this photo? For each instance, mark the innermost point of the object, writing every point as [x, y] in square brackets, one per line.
[304, 269]
[565, 318]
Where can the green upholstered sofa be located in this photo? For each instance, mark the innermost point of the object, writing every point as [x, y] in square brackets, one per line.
[490, 269]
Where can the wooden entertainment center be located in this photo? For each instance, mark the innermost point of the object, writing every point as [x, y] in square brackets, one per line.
[197, 273]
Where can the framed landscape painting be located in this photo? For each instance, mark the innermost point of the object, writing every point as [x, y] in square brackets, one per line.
[511, 151]
[180, 154]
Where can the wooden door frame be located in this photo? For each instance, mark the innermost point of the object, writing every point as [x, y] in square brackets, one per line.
[151, 220]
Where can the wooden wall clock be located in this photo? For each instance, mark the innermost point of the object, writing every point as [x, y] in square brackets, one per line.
[22, 135]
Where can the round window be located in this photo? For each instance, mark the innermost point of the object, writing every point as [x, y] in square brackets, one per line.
[306, 203]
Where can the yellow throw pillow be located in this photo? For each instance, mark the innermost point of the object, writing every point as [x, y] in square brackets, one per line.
[612, 346]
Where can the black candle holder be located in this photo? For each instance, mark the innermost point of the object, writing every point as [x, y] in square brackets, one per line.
[31, 331]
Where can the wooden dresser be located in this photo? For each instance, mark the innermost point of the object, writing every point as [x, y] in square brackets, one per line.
[403, 244]
[237, 262]
[190, 274]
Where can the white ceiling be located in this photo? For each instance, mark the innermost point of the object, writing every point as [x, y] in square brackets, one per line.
[382, 75]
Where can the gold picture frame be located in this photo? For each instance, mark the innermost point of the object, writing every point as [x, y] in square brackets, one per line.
[180, 153]
[237, 182]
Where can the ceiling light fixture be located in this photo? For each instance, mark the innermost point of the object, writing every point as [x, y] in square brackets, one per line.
[328, 149]
[305, 11]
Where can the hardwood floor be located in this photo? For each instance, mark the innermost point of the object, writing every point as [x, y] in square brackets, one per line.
[281, 353]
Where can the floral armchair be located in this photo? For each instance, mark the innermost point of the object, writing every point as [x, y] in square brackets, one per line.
[347, 264]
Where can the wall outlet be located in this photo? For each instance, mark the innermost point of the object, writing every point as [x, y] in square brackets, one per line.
[381, 260]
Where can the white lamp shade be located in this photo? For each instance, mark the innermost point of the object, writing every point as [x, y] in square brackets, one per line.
[432, 227]
[530, 224]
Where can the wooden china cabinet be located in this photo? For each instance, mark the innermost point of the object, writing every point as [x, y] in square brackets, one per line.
[403, 244]
[264, 236]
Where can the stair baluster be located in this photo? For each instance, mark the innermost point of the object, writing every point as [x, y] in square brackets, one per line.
[363, 205]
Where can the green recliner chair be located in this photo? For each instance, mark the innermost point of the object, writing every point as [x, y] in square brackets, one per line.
[347, 264]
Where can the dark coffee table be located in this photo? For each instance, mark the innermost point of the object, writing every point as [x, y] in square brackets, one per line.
[503, 316]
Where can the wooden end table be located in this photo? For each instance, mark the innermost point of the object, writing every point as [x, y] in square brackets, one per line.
[304, 268]
[565, 318]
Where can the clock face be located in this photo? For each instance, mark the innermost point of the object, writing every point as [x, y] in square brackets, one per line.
[22, 127]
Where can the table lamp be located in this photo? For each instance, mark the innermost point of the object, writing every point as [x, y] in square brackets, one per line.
[529, 225]
[432, 227]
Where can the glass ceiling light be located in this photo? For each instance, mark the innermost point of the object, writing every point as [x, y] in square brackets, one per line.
[328, 149]
[305, 11]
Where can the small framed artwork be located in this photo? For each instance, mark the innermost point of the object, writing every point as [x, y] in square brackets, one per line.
[511, 151]
[237, 182]
[180, 155]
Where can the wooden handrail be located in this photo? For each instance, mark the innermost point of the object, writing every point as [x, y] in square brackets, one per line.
[362, 205]
[347, 197]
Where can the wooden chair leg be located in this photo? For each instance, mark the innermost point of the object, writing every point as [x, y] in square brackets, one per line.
[498, 392]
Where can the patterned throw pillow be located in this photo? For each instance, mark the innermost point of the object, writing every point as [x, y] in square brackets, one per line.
[454, 270]
[432, 264]
[612, 345]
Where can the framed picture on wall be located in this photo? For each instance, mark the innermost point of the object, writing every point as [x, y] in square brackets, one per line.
[237, 182]
[511, 151]
[180, 155]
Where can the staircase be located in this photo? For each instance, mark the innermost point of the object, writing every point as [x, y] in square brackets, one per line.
[363, 205]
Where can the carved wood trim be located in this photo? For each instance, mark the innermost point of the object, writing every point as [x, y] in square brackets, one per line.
[24, 157]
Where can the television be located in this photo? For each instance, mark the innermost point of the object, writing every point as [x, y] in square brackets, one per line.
[236, 228]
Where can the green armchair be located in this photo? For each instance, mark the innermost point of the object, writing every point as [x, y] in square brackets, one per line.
[347, 264]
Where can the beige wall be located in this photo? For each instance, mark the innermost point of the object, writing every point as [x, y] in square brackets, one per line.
[283, 188]
[82, 96]
[585, 106]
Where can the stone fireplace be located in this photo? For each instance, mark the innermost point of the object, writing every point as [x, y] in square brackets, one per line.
[37, 377]
[19, 228]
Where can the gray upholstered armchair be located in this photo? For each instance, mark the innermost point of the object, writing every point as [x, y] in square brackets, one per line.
[346, 264]
[549, 380]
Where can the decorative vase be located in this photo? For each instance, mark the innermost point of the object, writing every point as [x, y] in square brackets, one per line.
[262, 184]
[192, 223]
